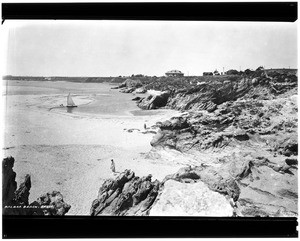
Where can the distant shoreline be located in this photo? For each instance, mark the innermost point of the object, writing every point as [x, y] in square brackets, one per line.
[115, 79]
[68, 79]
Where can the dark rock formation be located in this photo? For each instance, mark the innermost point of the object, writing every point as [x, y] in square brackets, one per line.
[126, 195]
[9, 185]
[154, 102]
[16, 202]
[51, 204]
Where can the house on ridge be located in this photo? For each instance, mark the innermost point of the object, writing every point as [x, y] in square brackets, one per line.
[174, 73]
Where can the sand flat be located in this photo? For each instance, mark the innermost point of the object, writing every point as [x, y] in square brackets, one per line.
[71, 152]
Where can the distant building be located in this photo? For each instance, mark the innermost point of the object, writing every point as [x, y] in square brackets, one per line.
[174, 73]
[216, 72]
[207, 73]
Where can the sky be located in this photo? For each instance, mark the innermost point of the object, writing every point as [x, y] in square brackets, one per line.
[113, 48]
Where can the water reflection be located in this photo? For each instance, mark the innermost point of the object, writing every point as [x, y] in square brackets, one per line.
[70, 109]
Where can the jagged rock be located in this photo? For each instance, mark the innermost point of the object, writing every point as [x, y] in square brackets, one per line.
[232, 123]
[190, 199]
[22, 194]
[208, 96]
[126, 195]
[9, 185]
[154, 101]
[51, 204]
[16, 202]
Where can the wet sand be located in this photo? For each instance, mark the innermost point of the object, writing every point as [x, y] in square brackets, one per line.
[71, 152]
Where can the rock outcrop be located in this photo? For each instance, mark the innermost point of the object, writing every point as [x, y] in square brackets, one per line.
[206, 93]
[242, 122]
[154, 101]
[126, 195]
[16, 201]
[247, 149]
[130, 85]
[242, 130]
[50, 204]
[179, 195]
[208, 96]
[255, 186]
[9, 185]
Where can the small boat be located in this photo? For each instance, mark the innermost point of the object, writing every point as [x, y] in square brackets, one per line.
[70, 102]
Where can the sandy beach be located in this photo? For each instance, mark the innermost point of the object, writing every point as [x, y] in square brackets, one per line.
[71, 152]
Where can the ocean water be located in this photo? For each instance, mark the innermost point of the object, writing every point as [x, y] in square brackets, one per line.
[107, 101]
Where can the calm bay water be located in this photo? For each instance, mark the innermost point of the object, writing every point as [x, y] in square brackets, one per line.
[107, 101]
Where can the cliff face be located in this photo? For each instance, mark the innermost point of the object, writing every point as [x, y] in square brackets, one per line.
[16, 201]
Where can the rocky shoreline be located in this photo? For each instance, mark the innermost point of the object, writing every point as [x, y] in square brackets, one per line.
[243, 129]
[242, 132]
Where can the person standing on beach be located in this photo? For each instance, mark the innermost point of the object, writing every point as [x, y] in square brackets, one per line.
[145, 127]
[112, 166]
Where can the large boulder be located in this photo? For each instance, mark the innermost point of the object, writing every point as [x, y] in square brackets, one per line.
[154, 101]
[190, 199]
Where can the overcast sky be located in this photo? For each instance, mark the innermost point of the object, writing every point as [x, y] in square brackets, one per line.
[113, 48]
